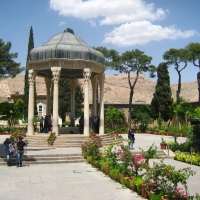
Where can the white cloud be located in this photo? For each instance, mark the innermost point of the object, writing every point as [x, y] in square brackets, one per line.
[112, 11]
[92, 23]
[61, 23]
[138, 33]
[133, 19]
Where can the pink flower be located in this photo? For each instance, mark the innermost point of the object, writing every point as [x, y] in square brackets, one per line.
[119, 151]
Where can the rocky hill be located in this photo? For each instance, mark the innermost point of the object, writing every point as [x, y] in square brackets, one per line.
[116, 88]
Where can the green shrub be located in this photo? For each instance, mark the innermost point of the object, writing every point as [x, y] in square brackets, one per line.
[183, 147]
[51, 137]
[66, 124]
[157, 196]
[138, 182]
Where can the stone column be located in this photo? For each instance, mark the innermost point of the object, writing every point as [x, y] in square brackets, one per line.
[101, 78]
[56, 76]
[72, 87]
[86, 74]
[31, 80]
[48, 87]
[94, 81]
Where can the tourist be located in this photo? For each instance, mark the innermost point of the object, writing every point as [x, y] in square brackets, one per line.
[81, 125]
[9, 152]
[41, 124]
[21, 149]
[95, 123]
[46, 126]
[131, 137]
[49, 122]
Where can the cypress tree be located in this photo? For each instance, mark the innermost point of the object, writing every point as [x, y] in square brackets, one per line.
[162, 98]
[26, 84]
[64, 99]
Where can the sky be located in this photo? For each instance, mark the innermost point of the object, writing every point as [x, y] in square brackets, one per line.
[152, 26]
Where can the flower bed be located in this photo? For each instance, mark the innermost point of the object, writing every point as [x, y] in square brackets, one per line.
[133, 171]
[191, 158]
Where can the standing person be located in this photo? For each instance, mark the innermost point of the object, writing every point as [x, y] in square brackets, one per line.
[49, 123]
[131, 137]
[8, 143]
[46, 127]
[41, 124]
[21, 149]
[81, 125]
[95, 124]
[98, 125]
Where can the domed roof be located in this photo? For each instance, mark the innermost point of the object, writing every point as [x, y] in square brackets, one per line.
[66, 45]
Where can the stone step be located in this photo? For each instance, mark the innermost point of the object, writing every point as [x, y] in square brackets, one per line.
[45, 162]
[46, 159]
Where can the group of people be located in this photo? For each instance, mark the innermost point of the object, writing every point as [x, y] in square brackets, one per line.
[45, 124]
[19, 149]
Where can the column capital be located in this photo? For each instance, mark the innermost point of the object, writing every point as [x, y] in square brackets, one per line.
[56, 74]
[31, 77]
[94, 81]
[48, 82]
[101, 78]
[72, 82]
[87, 74]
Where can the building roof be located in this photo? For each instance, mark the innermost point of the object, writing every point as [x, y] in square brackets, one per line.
[66, 45]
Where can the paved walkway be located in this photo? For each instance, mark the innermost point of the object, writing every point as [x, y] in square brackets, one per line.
[74, 181]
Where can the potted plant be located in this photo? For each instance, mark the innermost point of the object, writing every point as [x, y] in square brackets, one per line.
[163, 144]
[51, 138]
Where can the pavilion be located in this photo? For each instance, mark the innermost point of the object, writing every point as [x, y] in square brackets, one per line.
[67, 56]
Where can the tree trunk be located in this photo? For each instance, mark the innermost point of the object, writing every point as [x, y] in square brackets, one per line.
[131, 95]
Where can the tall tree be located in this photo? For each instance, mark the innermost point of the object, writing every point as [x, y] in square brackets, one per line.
[112, 57]
[162, 98]
[194, 53]
[64, 100]
[130, 61]
[176, 57]
[8, 67]
[135, 61]
[26, 84]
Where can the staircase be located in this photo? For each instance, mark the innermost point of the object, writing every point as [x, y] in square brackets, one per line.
[45, 159]
[159, 153]
[68, 130]
[37, 140]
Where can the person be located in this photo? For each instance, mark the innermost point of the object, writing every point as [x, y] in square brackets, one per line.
[8, 143]
[21, 149]
[81, 125]
[96, 124]
[131, 137]
[49, 123]
[41, 124]
[46, 127]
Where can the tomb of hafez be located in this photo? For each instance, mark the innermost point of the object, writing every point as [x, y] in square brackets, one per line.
[67, 56]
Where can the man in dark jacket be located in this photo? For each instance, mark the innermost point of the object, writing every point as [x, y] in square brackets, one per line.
[21, 149]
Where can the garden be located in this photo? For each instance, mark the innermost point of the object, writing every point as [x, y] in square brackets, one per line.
[159, 181]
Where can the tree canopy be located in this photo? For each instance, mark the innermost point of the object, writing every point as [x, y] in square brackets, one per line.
[8, 67]
[176, 57]
[134, 61]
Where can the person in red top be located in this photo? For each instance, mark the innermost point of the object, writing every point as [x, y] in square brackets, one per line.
[21, 149]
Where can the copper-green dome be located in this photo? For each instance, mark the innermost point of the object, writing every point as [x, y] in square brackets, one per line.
[66, 45]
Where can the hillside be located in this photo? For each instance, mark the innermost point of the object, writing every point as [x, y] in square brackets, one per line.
[116, 88]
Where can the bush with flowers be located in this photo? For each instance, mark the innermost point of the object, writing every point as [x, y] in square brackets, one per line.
[192, 158]
[92, 147]
[168, 180]
[17, 133]
[161, 179]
